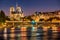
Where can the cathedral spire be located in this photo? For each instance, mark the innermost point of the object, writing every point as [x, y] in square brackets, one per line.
[16, 4]
[18, 8]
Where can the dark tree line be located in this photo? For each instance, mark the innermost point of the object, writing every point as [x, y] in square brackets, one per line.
[3, 17]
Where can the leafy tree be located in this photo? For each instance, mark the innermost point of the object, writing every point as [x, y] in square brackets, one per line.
[2, 16]
[7, 18]
[41, 20]
[36, 13]
[29, 17]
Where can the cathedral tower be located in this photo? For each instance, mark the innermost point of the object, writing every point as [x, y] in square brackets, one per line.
[16, 13]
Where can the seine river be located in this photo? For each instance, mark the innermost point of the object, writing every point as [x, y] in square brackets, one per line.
[30, 33]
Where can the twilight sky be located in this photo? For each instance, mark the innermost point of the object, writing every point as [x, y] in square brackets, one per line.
[30, 6]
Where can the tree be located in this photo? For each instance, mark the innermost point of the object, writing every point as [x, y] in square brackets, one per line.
[29, 17]
[2, 16]
[41, 20]
[7, 18]
[35, 13]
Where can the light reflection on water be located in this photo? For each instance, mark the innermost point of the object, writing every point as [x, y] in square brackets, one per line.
[23, 34]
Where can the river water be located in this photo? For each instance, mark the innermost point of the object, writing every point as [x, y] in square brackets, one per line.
[30, 33]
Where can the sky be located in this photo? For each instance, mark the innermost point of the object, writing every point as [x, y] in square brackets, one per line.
[30, 6]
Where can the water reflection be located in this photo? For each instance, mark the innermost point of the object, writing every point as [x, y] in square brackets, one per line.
[39, 33]
[1, 36]
[30, 33]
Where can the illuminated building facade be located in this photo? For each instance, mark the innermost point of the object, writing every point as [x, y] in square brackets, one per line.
[16, 14]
